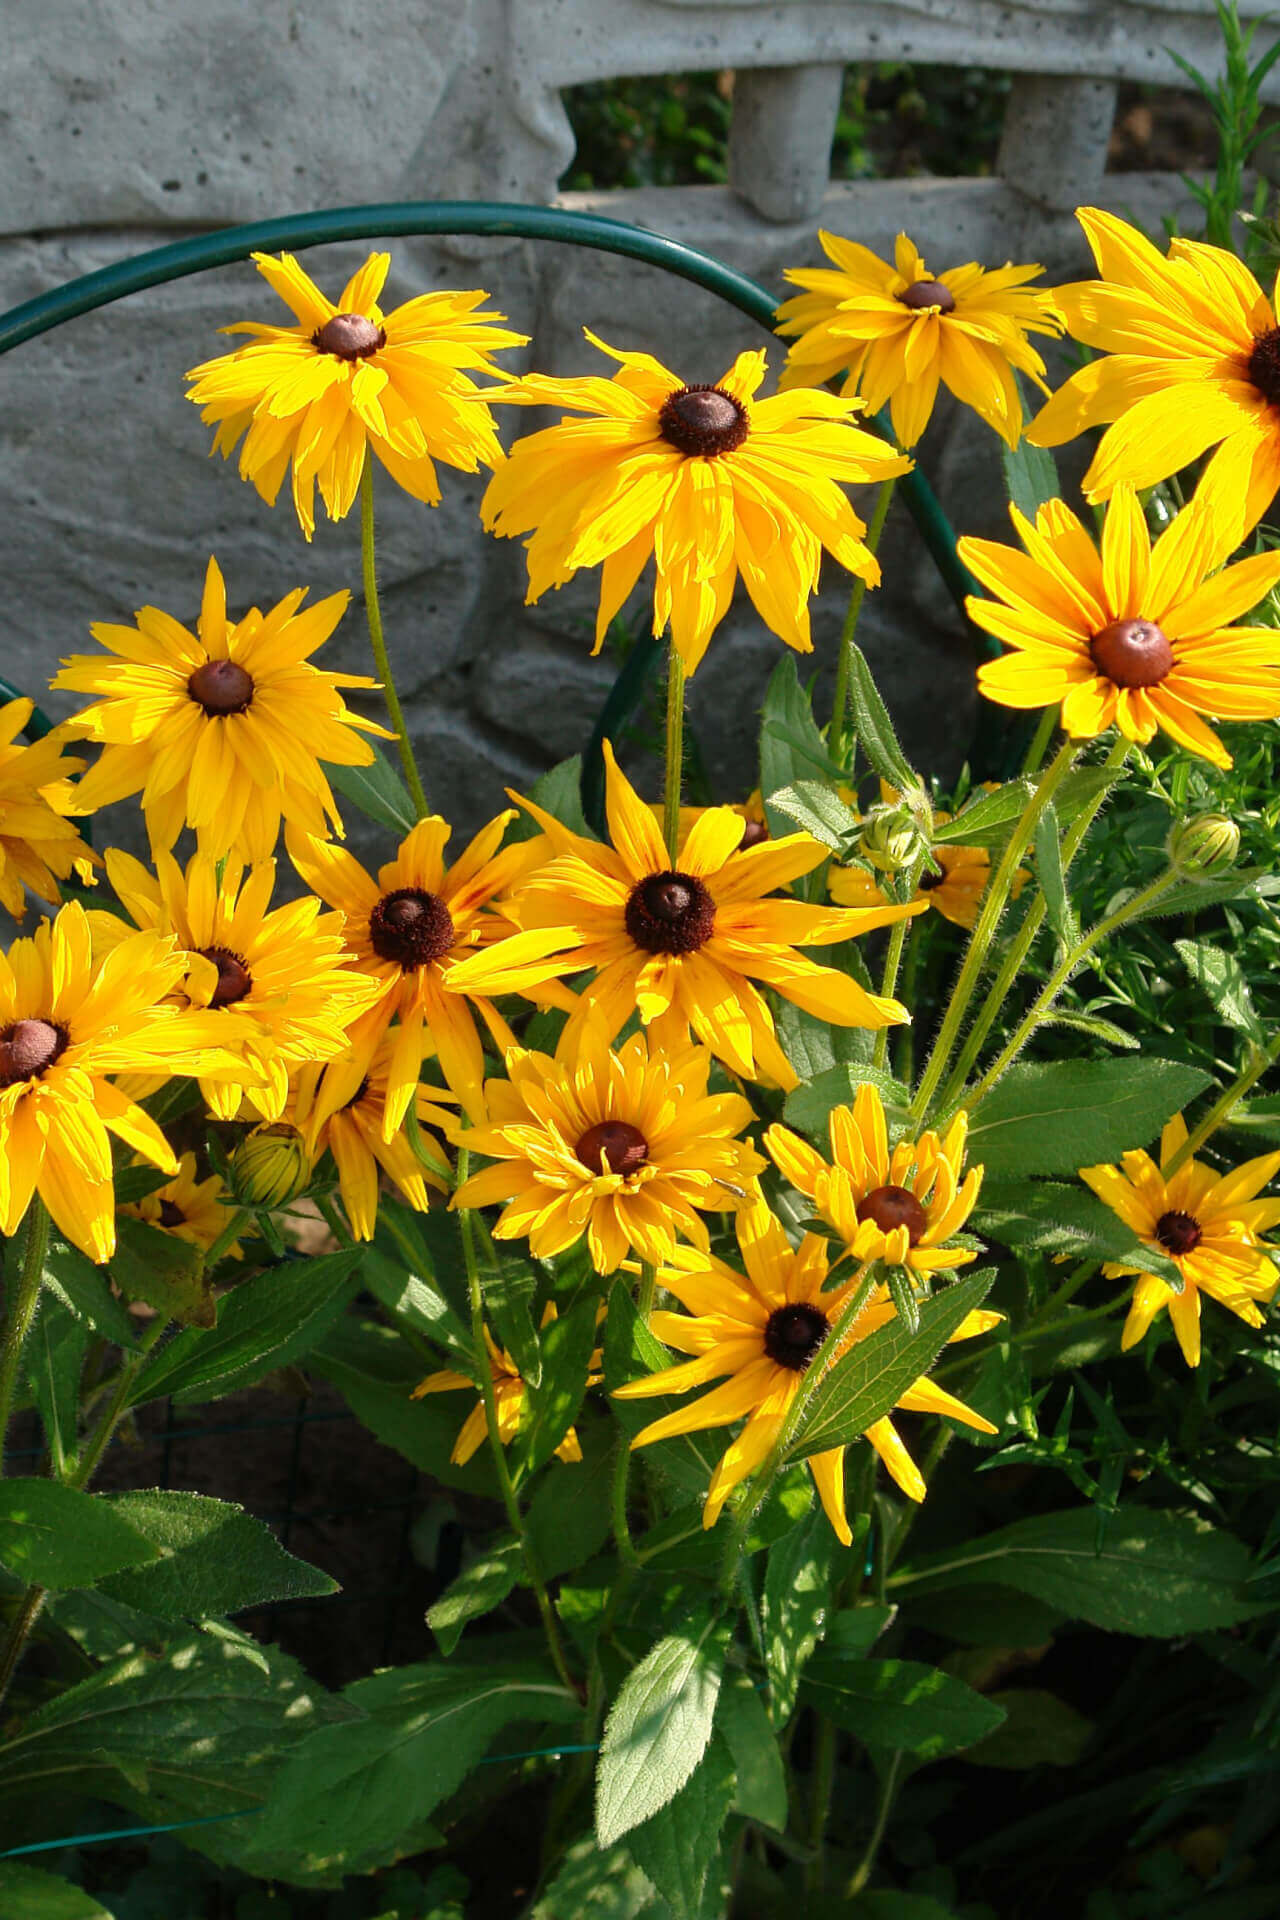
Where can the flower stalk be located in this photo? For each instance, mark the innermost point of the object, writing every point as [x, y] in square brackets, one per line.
[21, 1309]
[838, 742]
[377, 640]
[673, 762]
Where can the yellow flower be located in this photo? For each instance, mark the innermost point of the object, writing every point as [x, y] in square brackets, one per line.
[707, 479]
[509, 1392]
[900, 1206]
[342, 1106]
[1207, 1223]
[954, 890]
[623, 1145]
[1193, 362]
[683, 945]
[67, 1021]
[351, 377]
[38, 844]
[223, 732]
[192, 1210]
[406, 930]
[1137, 636]
[275, 983]
[764, 1328]
[894, 332]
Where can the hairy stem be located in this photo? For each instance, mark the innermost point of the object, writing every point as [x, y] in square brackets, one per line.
[838, 731]
[373, 613]
[1220, 1111]
[20, 1310]
[673, 764]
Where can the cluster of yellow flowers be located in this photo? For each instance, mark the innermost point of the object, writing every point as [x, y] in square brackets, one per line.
[321, 1012]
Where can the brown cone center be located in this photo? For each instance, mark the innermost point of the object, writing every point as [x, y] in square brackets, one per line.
[411, 927]
[27, 1049]
[892, 1207]
[754, 834]
[928, 880]
[171, 1215]
[793, 1334]
[617, 1141]
[234, 978]
[1178, 1232]
[670, 913]
[928, 293]
[351, 336]
[703, 420]
[221, 686]
[1132, 653]
[1264, 365]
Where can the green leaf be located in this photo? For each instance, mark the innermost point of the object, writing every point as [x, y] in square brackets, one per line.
[658, 1727]
[510, 1283]
[478, 1589]
[375, 1370]
[631, 1351]
[1095, 1026]
[590, 1885]
[56, 1536]
[52, 1361]
[1030, 476]
[28, 1894]
[86, 1291]
[741, 1719]
[1044, 1216]
[807, 1107]
[558, 792]
[987, 821]
[854, 1630]
[816, 808]
[152, 1265]
[1039, 1731]
[679, 1847]
[982, 1615]
[872, 1376]
[874, 729]
[1221, 977]
[794, 1608]
[1155, 1574]
[264, 1323]
[377, 790]
[902, 1292]
[567, 1345]
[214, 1559]
[899, 1703]
[1067, 1114]
[416, 1302]
[1246, 883]
[1062, 919]
[791, 747]
[344, 1799]
[568, 1517]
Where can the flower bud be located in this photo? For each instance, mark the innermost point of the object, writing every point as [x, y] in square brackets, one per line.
[271, 1166]
[1205, 845]
[890, 839]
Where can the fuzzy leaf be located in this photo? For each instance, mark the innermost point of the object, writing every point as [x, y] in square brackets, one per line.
[378, 792]
[152, 1265]
[1222, 979]
[791, 747]
[816, 808]
[566, 1347]
[658, 1727]
[761, 1791]
[680, 1847]
[1067, 1114]
[214, 1559]
[55, 1536]
[807, 1107]
[797, 1598]
[874, 728]
[1030, 476]
[899, 1703]
[478, 1589]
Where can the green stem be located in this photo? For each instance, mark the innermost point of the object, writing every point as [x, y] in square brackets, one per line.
[333, 1220]
[673, 765]
[373, 613]
[647, 1289]
[824, 1774]
[466, 1220]
[238, 1221]
[618, 1503]
[1221, 1108]
[1040, 743]
[888, 1794]
[893, 959]
[994, 901]
[21, 1308]
[837, 732]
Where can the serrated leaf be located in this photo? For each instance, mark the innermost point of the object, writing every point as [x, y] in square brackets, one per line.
[760, 1792]
[797, 1598]
[873, 727]
[986, 821]
[868, 1380]
[1067, 1114]
[214, 1558]
[478, 1589]
[56, 1536]
[1222, 979]
[86, 1291]
[591, 1885]
[165, 1272]
[658, 1727]
[378, 792]
[898, 1703]
[791, 747]
[1046, 1216]
[416, 1302]
[818, 810]
[375, 1370]
[1246, 883]
[510, 1281]
[1030, 475]
[905, 1300]
[679, 1848]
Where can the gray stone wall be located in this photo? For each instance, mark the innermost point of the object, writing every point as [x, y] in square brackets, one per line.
[126, 124]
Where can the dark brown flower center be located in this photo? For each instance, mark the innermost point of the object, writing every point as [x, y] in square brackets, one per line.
[234, 978]
[356, 1097]
[892, 1207]
[220, 686]
[1264, 365]
[351, 336]
[754, 834]
[704, 420]
[1132, 653]
[617, 1141]
[928, 293]
[793, 1334]
[411, 927]
[171, 1215]
[28, 1048]
[670, 913]
[928, 880]
[1178, 1232]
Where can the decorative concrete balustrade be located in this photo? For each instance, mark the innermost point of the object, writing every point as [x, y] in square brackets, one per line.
[125, 124]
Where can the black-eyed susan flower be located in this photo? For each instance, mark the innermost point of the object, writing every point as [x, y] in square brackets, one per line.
[341, 1106]
[1208, 1223]
[343, 379]
[276, 981]
[1137, 636]
[625, 1146]
[764, 1329]
[685, 944]
[509, 1392]
[1190, 360]
[899, 1205]
[39, 845]
[68, 1022]
[895, 331]
[191, 1209]
[406, 930]
[708, 480]
[223, 729]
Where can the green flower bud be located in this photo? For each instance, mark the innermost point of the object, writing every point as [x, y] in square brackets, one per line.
[1205, 845]
[270, 1167]
[890, 839]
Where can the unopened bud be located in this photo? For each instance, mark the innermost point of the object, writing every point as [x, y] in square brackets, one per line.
[1205, 845]
[890, 839]
[270, 1167]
